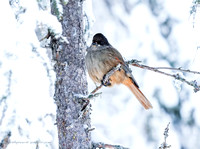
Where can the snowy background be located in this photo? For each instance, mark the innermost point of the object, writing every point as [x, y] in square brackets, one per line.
[159, 33]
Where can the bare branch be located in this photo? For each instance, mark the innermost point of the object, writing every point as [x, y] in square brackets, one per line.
[90, 96]
[179, 69]
[96, 89]
[164, 144]
[175, 76]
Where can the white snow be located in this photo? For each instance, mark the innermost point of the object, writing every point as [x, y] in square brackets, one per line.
[117, 116]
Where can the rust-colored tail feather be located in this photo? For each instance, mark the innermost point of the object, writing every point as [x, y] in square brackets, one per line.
[138, 94]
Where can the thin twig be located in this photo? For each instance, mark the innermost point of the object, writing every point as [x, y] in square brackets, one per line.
[175, 76]
[47, 36]
[91, 95]
[96, 89]
[57, 36]
[179, 69]
[164, 144]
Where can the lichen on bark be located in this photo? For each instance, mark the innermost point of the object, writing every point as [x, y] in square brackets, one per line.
[71, 80]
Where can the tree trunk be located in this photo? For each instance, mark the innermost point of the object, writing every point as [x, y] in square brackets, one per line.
[71, 80]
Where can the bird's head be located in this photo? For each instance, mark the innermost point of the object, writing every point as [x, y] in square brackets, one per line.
[100, 39]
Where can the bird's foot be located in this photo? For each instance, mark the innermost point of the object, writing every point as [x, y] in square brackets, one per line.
[105, 81]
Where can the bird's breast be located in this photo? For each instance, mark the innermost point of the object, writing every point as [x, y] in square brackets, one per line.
[96, 65]
[99, 62]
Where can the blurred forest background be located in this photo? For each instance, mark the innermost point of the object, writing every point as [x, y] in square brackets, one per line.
[158, 33]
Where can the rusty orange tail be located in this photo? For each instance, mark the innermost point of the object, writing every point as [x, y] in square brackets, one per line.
[138, 94]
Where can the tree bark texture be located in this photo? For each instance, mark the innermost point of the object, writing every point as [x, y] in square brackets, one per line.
[73, 128]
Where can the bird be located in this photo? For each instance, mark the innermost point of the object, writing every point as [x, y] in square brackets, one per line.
[101, 57]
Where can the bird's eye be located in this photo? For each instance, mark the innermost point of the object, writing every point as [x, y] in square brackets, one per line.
[94, 43]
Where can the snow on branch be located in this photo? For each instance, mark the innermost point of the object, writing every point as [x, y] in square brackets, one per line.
[51, 33]
[55, 40]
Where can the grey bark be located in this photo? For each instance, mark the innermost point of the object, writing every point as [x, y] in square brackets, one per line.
[71, 80]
